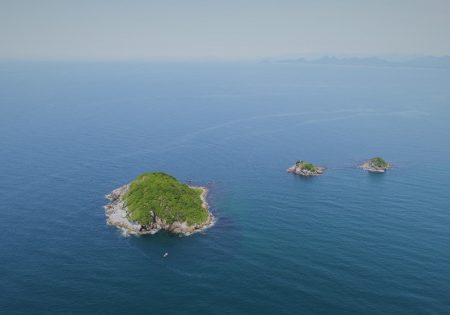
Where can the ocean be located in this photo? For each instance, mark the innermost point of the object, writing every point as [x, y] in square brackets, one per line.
[347, 242]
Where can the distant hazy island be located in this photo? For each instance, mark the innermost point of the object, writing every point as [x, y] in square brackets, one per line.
[414, 62]
[376, 165]
[157, 201]
[303, 168]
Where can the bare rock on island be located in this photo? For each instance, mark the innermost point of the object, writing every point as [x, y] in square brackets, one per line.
[376, 165]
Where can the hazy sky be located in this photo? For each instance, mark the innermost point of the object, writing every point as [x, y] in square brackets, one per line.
[223, 29]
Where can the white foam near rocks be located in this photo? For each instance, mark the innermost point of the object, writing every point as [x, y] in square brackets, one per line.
[117, 212]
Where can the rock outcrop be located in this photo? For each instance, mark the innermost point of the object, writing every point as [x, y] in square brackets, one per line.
[375, 165]
[303, 168]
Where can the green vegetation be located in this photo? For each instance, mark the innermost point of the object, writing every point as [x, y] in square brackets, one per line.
[378, 162]
[307, 166]
[169, 200]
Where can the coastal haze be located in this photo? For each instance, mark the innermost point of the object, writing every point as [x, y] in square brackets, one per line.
[226, 95]
[220, 30]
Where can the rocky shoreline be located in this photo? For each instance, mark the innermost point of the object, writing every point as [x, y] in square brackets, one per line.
[117, 215]
[372, 168]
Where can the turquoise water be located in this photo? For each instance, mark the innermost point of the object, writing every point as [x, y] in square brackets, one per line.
[344, 243]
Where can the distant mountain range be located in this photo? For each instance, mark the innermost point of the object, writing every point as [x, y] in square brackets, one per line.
[416, 62]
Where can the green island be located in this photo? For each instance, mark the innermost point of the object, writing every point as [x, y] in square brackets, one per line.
[376, 165]
[158, 201]
[305, 169]
[378, 162]
[307, 166]
[167, 198]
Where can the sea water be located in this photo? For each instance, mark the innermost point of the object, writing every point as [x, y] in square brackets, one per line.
[347, 242]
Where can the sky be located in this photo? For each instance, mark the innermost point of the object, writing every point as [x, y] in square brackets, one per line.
[220, 29]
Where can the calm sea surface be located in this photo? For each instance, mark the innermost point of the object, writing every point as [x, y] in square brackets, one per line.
[344, 243]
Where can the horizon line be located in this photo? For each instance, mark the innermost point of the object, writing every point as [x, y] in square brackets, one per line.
[307, 56]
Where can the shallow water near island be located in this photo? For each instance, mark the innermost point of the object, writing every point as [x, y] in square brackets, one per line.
[346, 242]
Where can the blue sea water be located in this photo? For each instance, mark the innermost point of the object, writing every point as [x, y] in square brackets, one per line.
[347, 242]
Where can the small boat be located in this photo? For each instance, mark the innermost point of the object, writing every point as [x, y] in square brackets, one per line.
[165, 255]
